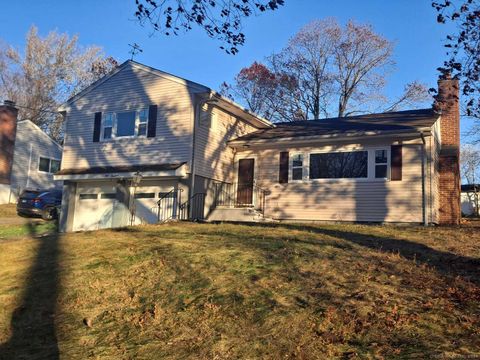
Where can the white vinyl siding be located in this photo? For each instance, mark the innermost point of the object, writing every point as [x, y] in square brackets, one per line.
[213, 156]
[131, 89]
[378, 200]
[30, 145]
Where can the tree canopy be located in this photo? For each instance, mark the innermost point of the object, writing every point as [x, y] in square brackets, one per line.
[324, 70]
[463, 49]
[220, 19]
[50, 70]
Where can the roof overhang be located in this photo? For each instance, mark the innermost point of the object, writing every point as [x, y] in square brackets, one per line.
[237, 110]
[354, 136]
[179, 172]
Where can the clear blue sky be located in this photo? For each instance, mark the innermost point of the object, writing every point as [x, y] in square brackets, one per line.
[111, 24]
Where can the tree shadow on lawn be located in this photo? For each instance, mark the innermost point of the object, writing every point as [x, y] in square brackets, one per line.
[33, 321]
[445, 263]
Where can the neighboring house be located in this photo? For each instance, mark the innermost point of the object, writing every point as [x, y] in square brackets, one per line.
[470, 199]
[142, 145]
[33, 159]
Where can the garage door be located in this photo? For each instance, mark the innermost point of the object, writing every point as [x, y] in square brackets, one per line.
[97, 208]
[147, 210]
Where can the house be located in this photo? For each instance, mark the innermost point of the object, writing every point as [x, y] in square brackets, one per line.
[470, 199]
[28, 156]
[142, 145]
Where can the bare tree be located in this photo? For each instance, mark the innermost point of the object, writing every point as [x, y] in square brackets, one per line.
[221, 19]
[362, 59]
[47, 73]
[326, 70]
[308, 60]
[470, 168]
[413, 94]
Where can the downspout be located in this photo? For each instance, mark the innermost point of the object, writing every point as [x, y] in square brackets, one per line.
[191, 190]
[424, 193]
[430, 172]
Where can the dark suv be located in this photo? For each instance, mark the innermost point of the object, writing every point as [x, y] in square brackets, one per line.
[44, 203]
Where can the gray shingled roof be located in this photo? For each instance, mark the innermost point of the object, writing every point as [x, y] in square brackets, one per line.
[390, 121]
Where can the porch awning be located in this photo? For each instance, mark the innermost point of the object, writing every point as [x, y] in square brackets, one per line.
[122, 171]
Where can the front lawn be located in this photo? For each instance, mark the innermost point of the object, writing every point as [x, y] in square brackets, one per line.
[205, 291]
[8, 211]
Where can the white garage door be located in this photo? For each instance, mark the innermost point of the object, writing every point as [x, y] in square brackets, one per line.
[146, 204]
[96, 207]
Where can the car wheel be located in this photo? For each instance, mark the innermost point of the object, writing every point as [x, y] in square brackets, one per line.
[49, 214]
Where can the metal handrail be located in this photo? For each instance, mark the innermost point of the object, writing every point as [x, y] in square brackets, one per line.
[198, 202]
[227, 194]
[166, 201]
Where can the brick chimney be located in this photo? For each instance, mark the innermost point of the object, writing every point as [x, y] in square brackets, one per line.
[8, 130]
[447, 103]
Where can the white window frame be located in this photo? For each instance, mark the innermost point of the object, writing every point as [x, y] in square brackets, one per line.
[49, 164]
[388, 163]
[114, 124]
[370, 167]
[305, 169]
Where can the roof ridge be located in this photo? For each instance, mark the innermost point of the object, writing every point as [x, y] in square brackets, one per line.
[360, 117]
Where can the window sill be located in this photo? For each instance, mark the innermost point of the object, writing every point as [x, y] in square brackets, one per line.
[120, 138]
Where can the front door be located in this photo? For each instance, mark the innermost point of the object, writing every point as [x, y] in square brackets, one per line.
[245, 182]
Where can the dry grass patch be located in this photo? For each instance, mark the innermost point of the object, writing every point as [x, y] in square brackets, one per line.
[8, 210]
[236, 291]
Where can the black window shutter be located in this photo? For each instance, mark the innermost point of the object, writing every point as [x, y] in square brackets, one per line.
[152, 121]
[396, 162]
[283, 168]
[97, 125]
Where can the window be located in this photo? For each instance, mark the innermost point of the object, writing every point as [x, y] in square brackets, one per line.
[125, 124]
[142, 122]
[108, 196]
[381, 164]
[54, 166]
[44, 165]
[144, 195]
[108, 126]
[297, 167]
[88, 196]
[340, 165]
[48, 165]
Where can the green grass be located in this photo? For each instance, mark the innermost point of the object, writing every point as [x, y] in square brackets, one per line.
[7, 232]
[197, 291]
